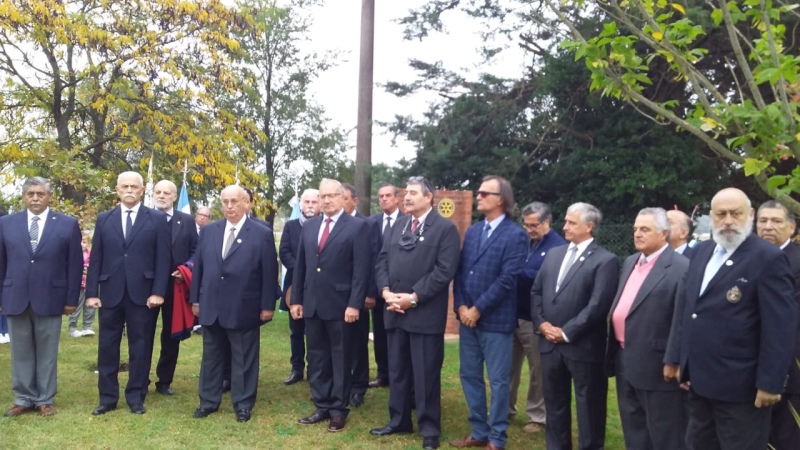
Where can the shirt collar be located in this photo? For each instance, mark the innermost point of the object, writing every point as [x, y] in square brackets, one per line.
[653, 256]
[788, 241]
[493, 224]
[41, 216]
[238, 225]
[135, 208]
[170, 212]
[392, 215]
[582, 246]
[422, 218]
[682, 248]
[334, 218]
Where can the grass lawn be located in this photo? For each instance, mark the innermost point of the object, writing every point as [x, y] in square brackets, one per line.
[169, 423]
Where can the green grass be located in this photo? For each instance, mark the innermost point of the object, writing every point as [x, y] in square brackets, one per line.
[169, 423]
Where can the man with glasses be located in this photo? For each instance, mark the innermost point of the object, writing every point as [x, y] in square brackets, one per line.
[202, 217]
[128, 277]
[536, 218]
[484, 290]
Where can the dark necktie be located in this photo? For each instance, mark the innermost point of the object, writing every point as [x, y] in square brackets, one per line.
[388, 228]
[229, 243]
[34, 232]
[128, 224]
[325, 233]
[414, 225]
[485, 234]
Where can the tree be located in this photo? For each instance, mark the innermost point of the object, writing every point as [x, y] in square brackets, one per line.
[295, 139]
[94, 88]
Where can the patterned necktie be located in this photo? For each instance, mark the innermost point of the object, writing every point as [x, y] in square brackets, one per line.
[388, 228]
[485, 234]
[229, 243]
[325, 233]
[570, 261]
[128, 224]
[34, 232]
[414, 225]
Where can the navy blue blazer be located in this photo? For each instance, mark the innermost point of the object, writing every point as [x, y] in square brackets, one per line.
[487, 275]
[236, 289]
[535, 258]
[47, 279]
[290, 242]
[140, 265]
[737, 336]
[183, 236]
[326, 283]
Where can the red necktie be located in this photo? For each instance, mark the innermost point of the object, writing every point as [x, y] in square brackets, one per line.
[414, 225]
[325, 234]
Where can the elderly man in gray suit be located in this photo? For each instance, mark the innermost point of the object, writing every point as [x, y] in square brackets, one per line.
[652, 410]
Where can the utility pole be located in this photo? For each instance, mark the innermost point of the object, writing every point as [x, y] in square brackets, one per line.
[363, 177]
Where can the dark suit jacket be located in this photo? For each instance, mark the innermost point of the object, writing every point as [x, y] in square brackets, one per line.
[47, 279]
[793, 253]
[377, 223]
[326, 283]
[183, 236]
[374, 248]
[736, 337]
[580, 307]
[534, 261]
[688, 252]
[290, 242]
[141, 264]
[427, 269]
[236, 289]
[649, 320]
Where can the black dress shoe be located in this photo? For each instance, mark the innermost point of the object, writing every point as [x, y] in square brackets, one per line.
[242, 415]
[226, 385]
[138, 409]
[102, 409]
[356, 400]
[430, 443]
[337, 424]
[387, 430]
[378, 383]
[164, 389]
[294, 377]
[317, 417]
[200, 412]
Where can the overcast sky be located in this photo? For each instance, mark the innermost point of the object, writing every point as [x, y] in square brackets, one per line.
[337, 26]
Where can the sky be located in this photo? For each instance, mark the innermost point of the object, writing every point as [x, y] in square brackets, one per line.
[337, 26]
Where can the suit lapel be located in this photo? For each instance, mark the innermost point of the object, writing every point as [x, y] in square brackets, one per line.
[337, 228]
[730, 263]
[557, 258]
[501, 228]
[24, 232]
[241, 238]
[46, 231]
[116, 221]
[627, 268]
[657, 273]
[142, 216]
[576, 266]
[175, 225]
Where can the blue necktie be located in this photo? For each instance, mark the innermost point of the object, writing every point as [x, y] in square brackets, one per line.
[716, 261]
[485, 234]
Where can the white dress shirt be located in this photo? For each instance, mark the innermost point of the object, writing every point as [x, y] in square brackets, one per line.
[228, 226]
[135, 213]
[42, 220]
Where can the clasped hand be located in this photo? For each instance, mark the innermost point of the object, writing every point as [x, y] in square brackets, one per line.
[397, 302]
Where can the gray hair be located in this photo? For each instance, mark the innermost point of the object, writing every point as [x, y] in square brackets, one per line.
[394, 188]
[772, 204]
[37, 181]
[309, 193]
[588, 214]
[332, 181]
[542, 211]
[422, 182]
[659, 217]
[138, 175]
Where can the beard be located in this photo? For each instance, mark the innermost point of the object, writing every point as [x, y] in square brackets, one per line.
[734, 238]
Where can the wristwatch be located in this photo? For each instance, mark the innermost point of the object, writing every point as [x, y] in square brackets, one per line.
[413, 300]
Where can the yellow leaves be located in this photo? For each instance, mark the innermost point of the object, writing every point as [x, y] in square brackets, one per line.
[657, 35]
[678, 7]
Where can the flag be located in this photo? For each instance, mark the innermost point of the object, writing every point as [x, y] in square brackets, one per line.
[183, 201]
[148, 192]
[295, 204]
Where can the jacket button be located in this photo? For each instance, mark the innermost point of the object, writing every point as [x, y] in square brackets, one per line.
[694, 316]
[470, 272]
[318, 269]
[221, 278]
[31, 261]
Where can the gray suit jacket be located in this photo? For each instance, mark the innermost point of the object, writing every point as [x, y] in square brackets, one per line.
[580, 307]
[647, 325]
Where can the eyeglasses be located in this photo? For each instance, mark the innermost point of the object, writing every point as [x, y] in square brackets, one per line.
[532, 226]
[327, 196]
[203, 215]
[487, 193]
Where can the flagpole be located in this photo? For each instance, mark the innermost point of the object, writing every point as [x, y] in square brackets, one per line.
[148, 196]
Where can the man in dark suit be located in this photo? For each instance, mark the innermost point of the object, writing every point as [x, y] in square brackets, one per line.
[734, 330]
[652, 410]
[484, 299]
[329, 286]
[680, 232]
[385, 221]
[35, 294]
[183, 239]
[536, 218]
[290, 243]
[234, 288]
[418, 261]
[570, 301]
[129, 270]
[361, 339]
[776, 225]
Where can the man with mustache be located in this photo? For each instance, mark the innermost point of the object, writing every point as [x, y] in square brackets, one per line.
[731, 339]
[290, 242]
[128, 276]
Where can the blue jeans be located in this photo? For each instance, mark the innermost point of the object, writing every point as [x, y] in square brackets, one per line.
[3, 324]
[475, 348]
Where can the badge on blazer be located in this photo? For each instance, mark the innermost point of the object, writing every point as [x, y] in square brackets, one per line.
[734, 295]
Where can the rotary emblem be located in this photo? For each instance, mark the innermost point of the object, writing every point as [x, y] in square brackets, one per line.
[446, 207]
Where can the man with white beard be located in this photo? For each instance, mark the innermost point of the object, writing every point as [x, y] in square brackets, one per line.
[730, 344]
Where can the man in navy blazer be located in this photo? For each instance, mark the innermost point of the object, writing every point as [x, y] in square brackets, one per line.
[128, 277]
[234, 289]
[485, 301]
[733, 334]
[680, 232]
[537, 218]
[183, 239]
[290, 243]
[385, 221]
[570, 301]
[328, 290]
[652, 410]
[41, 266]
[776, 225]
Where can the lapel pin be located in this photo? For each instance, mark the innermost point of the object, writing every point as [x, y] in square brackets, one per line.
[543, 253]
[581, 259]
[238, 241]
[179, 222]
[729, 263]
[734, 295]
[421, 238]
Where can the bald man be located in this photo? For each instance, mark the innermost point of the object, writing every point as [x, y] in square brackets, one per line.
[680, 232]
[731, 339]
